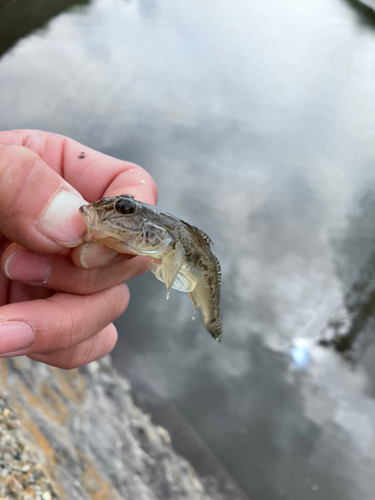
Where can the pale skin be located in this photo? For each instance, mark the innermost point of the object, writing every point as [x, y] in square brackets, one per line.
[58, 295]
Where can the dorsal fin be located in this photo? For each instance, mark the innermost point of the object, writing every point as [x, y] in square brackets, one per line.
[218, 272]
[201, 233]
[205, 236]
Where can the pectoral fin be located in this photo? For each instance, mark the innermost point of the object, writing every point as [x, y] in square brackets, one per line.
[184, 282]
[167, 270]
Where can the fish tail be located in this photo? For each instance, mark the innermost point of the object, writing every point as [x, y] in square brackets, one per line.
[215, 327]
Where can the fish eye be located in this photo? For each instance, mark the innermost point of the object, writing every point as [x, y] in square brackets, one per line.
[125, 207]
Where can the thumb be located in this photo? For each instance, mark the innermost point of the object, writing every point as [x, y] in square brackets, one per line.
[38, 208]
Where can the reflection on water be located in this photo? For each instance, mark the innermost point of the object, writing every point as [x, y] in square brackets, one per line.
[19, 18]
[365, 8]
[351, 328]
[256, 120]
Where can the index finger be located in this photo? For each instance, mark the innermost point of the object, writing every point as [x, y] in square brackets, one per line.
[90, 172]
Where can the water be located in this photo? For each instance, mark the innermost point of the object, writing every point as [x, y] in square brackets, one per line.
[257, 122]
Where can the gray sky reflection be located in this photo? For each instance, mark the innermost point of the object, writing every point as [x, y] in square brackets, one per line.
[256, 119]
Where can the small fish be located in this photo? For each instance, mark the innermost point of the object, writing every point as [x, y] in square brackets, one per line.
[180, 253]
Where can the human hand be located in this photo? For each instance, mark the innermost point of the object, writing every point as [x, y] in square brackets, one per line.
[57, 302]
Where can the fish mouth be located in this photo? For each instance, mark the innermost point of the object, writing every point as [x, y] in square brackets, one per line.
[89, 216]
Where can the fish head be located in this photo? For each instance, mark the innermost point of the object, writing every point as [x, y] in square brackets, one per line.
[123, 223]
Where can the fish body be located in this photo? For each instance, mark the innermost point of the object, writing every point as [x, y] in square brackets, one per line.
[180, 254]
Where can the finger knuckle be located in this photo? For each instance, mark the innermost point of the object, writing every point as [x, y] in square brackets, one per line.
[66, 330]
[11, 153]
[93, 280]
[17, 163]
[117, 299]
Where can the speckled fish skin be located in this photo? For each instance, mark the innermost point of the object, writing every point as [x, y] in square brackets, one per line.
[181, 254]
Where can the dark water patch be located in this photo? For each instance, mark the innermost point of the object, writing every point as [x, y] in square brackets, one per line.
[365, 13]
[21, 18]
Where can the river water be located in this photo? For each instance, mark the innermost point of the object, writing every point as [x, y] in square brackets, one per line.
[257, 121]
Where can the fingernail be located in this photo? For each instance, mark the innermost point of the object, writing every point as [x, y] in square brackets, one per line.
[96, 255]
[28, 266]
[15, 335]
[61, 221]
